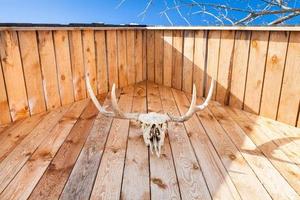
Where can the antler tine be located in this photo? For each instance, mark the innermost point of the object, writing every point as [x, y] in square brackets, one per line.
[193, 107]
[101, 109]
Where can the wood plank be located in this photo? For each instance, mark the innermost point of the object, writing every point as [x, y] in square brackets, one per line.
[89, 55]
[63, 63]
[109, 178]
[168, 49]
[112, 60]
[290, 92]
[137, 160]
[273, 74]
[122, 58]
[177, 59]
[164, 184]
[12, 70]
[213, 47]
[24, 182]
[263, 168]
[190, 178]
[76, 51]
[32, 71]
[83, 175]
[144, 55]
[225, 66]
[287, 169]
[101, 58]
[19, 156]
[150, 55]
[56, 175]
[255, 73]
[49, 71]
[188, 61]
[9, 127]
[217, 178]
[245, 180]
[5, 114]
[239, 68]
[11, 138]
[130, 46]
[138, 62]
[199, 61]
[159, 56]
[286, 144]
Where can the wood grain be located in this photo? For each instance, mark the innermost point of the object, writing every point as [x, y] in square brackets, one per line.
[130, 46]
[159, 56]
[150, 39]
[112, 60]
[4, 107]
[139, 60]
[168, 49]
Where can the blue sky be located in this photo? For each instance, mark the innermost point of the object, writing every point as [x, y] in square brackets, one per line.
[80, 11]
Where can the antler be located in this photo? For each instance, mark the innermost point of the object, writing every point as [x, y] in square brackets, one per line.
[193, 107]
[116, 110]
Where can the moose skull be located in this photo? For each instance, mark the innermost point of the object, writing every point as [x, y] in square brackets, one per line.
[154, 125]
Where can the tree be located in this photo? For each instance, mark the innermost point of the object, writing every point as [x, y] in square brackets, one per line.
[229, 12]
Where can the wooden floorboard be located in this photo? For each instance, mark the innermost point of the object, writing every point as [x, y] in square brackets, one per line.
[74, 152]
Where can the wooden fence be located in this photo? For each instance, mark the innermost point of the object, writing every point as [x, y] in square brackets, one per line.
[258, 71]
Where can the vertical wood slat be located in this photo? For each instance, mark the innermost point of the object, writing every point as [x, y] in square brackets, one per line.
[150, 56]
[32, 71]
[130, 46]
[144, 55]
[159, 56]
[122, 58]
[89, 56]
[256, 68]
[273, 74]
[111, 40]
[199, 61]
[290, 94]
[75, 39]
[49, 70]
[213, 46]
[225, 66]
[177, 59]
[100, 44]
[13, 75]
[138, 61]
[63, 62]
[167, 67]
[239, 68]
[188, 61]
[5, 115]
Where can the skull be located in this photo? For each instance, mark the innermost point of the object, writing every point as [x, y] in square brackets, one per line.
[154, 126]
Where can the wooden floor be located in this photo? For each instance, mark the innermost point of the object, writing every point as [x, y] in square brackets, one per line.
[220, 153]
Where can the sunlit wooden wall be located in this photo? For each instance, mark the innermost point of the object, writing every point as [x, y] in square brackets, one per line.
[258, 71]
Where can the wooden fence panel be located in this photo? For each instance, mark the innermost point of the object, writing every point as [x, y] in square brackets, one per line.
[200, 61]
[130, 46]
[188, 61]
[177, 59]
[63, 62]
[225, 66]
[5, 115]
[168, 49]
[273, 74]
[150, 55]
[111, 40]
[159, 56]
[100, 44]
[290, 93]
[13, 75]
[239, 68]
[32, 71]
[138, 61]
[77, 62]
[256, 68]
[122, 58]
